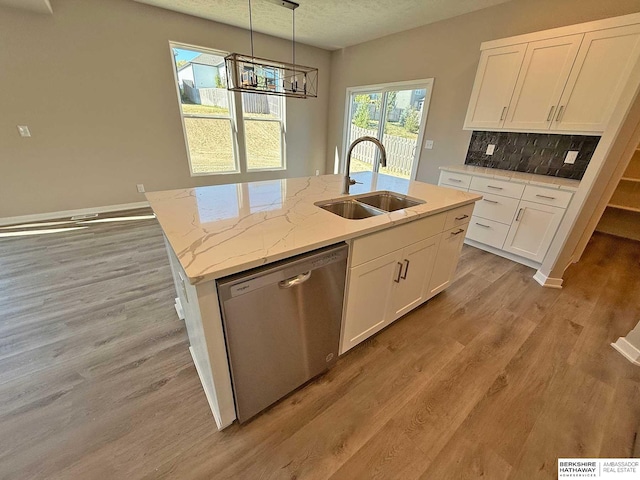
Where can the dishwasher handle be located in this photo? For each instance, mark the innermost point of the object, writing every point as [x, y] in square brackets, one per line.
[297, 280]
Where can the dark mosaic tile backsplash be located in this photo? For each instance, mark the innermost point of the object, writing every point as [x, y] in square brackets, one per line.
[540, 153]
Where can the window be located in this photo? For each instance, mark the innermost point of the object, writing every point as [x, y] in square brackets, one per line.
[220, 137]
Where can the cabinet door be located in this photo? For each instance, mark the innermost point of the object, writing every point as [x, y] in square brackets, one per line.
[410, 285]
[544, 73]
[601, 70]
[495, 80]
[446, 262]
[368, 297]
[533, 230]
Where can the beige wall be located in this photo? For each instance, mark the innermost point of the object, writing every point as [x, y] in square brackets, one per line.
[449, 52]
[94, 83]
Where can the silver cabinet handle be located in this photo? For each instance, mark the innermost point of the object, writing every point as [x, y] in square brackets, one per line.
[495, 188]
[297, 280]
[455, 180]
[462, 217]
[545, 196]
[503, 112]
[406, 269]
[490, 201]
[560, 112]
[482, 225]
[458, 232]
[550, 116]
[397, 279]
[519, 213]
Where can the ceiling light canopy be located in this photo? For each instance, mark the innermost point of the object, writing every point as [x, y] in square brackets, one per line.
[246, 73]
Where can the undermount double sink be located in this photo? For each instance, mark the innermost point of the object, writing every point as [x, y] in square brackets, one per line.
[369, 204]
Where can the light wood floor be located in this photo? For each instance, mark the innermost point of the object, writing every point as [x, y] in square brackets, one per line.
[494, 378]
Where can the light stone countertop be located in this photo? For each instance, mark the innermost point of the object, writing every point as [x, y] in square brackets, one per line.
[518, 177]
[224, 229]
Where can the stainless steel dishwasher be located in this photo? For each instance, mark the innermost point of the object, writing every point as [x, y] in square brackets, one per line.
[282, 325]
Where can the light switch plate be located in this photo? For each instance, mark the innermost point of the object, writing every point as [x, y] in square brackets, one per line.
[24, 131]
[490, 149]
[428, 144]
[571, 157]
[140, 187]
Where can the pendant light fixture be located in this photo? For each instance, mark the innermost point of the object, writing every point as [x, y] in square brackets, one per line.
[247, 73]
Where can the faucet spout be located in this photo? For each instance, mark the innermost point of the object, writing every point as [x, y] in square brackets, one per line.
[348, 181]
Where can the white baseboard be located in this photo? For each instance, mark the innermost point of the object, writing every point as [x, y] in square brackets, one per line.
[548, 282]
[627, 350]
[40, 217]
[503, 254]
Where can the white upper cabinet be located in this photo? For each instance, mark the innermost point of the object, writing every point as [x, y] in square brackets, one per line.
[566, 80]
[544, 73]
[493, 87]
[600, 73]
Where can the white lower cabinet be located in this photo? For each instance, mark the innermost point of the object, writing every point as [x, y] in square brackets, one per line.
[368, 300]
[533, 230]
[412, 279]
[447, 260]
[383, 285]
[521, 220]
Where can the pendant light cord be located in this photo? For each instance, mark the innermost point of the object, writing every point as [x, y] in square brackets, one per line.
[293, 36]
[251, 29]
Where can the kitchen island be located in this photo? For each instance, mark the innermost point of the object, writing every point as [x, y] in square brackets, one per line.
[212, 232]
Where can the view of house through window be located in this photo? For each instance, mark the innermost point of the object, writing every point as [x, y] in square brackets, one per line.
[393, 115]
[209, 113]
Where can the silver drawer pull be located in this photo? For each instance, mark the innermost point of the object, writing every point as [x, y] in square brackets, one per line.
[455, 180]
[397, 279]
[560, 111]
[462, 217]
[406, 269]
[504, 110]
[551, 113]
[457, 232]
[545, 196]
[490, 201]
[482, 225]
[495, 188]
[518, 216]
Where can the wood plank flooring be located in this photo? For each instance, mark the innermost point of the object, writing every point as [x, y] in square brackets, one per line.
[494, 378]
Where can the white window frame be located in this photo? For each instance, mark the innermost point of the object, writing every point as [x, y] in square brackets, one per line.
[382, 88]
[236, 116]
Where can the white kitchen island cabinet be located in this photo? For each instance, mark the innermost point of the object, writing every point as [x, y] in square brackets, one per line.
[385, 282]
[217, 231]
[567, 80]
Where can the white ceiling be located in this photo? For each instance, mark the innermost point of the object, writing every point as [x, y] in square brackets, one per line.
[329, 24]
[37, 6]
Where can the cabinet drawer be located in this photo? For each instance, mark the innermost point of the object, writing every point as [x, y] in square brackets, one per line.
[547, 196]
[496, 208]
[487, 231]
[380, 243]
[497, 187]
[459, 180]
[459, 216]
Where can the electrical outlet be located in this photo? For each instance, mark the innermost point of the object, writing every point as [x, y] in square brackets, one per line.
[490, 149]
[428, 144]
[317, 172]
[140, 188]
[24, 131]
[571, 157]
